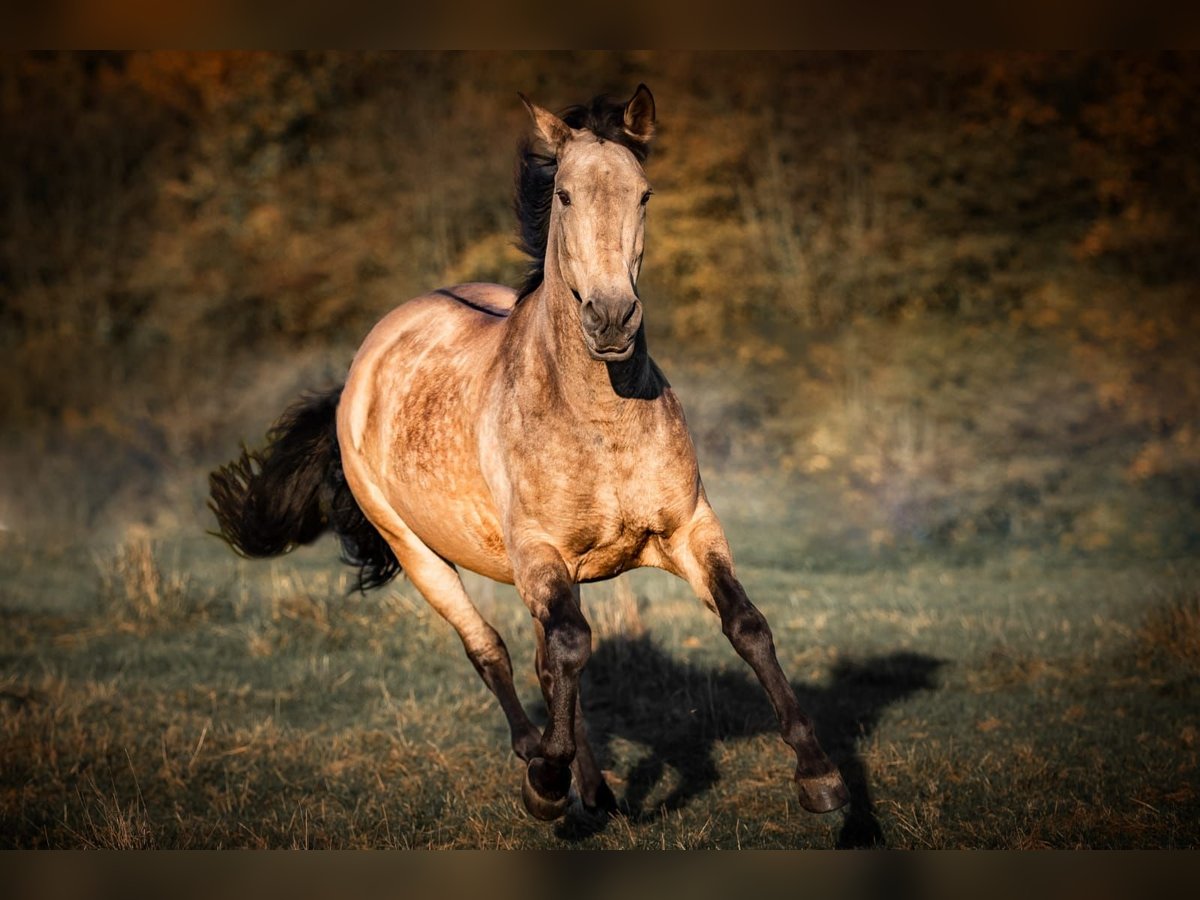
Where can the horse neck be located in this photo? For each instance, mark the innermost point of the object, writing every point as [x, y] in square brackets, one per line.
[557, 336]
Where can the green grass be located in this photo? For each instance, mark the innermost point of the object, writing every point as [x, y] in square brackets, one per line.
[164, 694]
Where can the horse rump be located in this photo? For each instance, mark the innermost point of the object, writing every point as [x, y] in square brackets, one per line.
[270, 501]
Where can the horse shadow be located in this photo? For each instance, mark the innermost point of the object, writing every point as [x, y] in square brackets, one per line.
[678, 710]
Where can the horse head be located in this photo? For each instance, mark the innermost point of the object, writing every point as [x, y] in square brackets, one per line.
[597, 223]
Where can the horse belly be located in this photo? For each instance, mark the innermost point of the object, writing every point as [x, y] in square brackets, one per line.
[461, 533]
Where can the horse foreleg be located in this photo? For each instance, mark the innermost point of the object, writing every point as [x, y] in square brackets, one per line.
[593, 789]
[700, 554]
[565, 643]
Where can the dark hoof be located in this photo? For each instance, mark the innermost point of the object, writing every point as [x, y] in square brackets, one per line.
[545, 795]
[823, 793]
[603, 802]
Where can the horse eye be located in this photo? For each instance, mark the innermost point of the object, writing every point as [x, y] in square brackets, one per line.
[646, 197]
[564, 198]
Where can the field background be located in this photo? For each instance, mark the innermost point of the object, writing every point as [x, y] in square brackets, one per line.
[935, 322]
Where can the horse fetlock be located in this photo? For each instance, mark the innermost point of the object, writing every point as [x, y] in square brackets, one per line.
[526, 745]
[798, 734]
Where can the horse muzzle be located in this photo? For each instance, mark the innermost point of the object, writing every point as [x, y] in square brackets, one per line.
[610, 327]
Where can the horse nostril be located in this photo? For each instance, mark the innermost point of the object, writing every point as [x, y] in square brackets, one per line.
[629, 315]
[591, 316]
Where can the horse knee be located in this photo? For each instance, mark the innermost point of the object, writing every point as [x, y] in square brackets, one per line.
[490, 658]
[745, 626]
[568, 640]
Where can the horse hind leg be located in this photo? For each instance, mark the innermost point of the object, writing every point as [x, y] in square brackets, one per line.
[441, 586]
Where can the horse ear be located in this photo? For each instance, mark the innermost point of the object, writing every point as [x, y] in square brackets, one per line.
[550, 128]
[639, 115]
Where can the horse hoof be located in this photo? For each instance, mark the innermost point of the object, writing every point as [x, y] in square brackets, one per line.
[823, 793]
[550, 801]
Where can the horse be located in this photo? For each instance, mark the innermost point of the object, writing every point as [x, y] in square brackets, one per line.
[528, 436]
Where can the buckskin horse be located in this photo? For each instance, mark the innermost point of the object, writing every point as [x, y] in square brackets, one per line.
[527, 436]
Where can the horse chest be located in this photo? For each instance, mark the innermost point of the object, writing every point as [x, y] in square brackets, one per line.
[613, 497]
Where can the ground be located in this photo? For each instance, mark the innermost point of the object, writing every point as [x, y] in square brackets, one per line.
[173, 697]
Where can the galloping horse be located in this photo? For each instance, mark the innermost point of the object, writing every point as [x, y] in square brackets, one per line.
[530, 438]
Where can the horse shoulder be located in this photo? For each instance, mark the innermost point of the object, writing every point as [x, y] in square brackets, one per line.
[675, 451]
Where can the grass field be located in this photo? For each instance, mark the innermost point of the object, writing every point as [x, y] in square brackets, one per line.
[168, 696]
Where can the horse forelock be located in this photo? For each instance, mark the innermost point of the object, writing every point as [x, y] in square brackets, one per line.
[605, 118]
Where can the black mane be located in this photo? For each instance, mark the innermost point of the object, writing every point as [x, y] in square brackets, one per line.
[605, 118]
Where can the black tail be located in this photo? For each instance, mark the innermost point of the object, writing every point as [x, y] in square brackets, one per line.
[271, 501]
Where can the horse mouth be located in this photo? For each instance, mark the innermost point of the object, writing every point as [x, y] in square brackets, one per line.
[610, 354]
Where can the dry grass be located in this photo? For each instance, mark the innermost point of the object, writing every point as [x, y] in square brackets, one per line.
[109, 823]
[135, 593]
[617, 616]
[1172, 629]
[996, 707]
